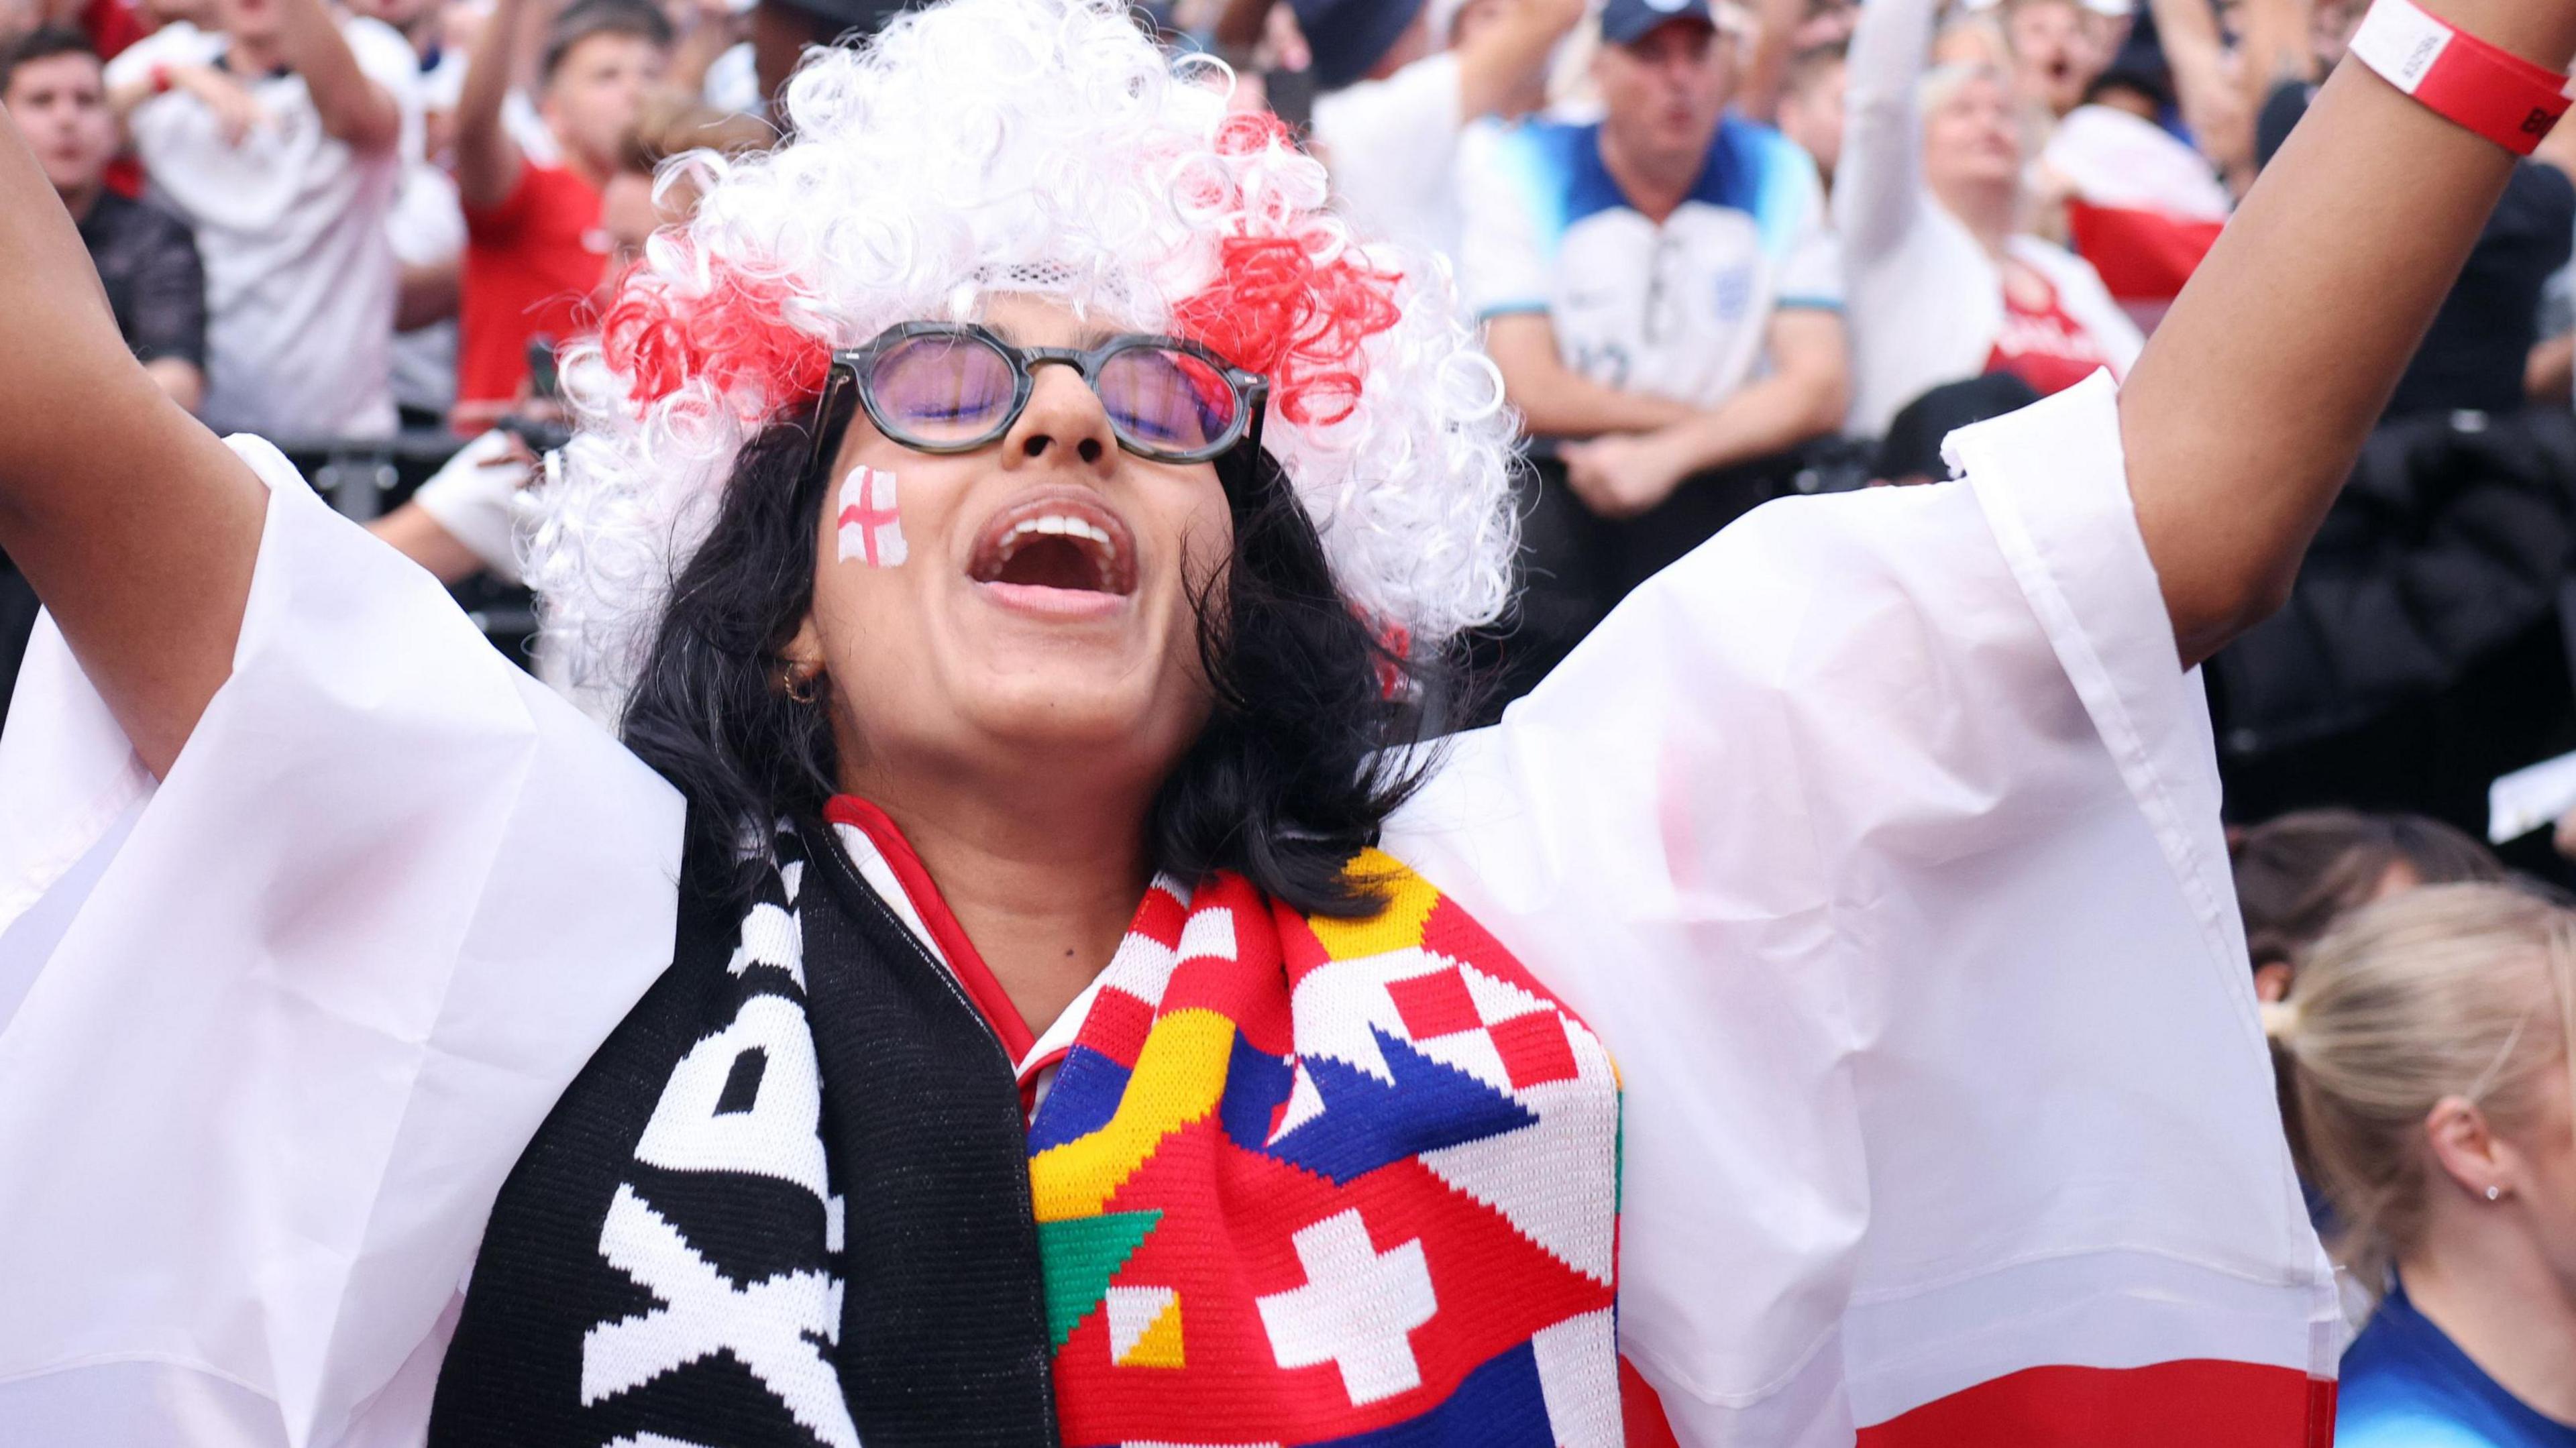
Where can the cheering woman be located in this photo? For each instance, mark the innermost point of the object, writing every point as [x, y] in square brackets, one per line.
[1022, 974]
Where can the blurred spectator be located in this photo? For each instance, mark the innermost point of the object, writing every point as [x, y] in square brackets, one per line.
[2056, 52]
[1811, 104]
[534, 248]
[2428, 1050]
[460, 522]
[1943, 284]
[53, 87]
[2141, 206]
[464, 520]
[1402, 79]
[2477, 352]
[668, 124]
[284, 150]
[2298, 874]
[1661, 283]
[1662, 276]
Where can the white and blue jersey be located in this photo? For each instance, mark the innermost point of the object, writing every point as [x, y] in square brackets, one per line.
[1679, 310]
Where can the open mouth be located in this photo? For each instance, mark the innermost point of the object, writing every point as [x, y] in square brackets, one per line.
[1061, 541]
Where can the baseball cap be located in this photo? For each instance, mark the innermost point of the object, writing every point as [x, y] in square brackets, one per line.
[1624, 22]
[1349, 37]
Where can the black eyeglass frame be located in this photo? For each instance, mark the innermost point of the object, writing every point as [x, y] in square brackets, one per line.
[851, 368]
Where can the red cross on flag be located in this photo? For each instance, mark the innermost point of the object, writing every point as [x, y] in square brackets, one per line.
[871, 528]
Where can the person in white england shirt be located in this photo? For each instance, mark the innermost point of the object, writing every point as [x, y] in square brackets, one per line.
[1662, 279]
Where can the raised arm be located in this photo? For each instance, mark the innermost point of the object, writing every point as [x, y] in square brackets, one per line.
[1766, 67]
[137, 526]
[1502, 58]
[1878, 183]
[354, 109]
[2246, 410]
[487, 159]
[2217, 100]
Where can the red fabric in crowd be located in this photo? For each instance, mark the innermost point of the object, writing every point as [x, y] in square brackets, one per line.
[111, 26]
[2203, 1402]
[2041, 343]
[532, 264]
[2143, 255]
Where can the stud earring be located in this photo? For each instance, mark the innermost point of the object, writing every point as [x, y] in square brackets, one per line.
[2495, 1194]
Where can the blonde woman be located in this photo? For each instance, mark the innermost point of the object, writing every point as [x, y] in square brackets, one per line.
[2428, 1043]
[1945, 282]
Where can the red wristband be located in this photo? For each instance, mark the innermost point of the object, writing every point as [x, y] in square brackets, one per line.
[2459, 77]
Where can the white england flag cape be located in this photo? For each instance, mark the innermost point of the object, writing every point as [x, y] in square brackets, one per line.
[1878, 840]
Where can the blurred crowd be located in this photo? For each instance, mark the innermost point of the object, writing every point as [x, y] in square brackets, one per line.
[1722, 255]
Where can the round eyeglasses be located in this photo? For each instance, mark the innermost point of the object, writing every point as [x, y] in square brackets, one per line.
[940, 387]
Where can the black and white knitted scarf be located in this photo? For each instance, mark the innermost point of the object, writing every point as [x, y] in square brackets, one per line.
[787, 1203]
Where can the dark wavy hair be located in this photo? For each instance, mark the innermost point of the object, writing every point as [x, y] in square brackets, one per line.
[1306, 753]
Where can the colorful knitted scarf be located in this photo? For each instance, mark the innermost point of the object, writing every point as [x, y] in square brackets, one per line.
[1296, 1180]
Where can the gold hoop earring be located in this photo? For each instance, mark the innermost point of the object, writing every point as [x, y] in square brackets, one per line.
[789, 682]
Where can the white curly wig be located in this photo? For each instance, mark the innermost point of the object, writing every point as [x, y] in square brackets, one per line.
[1045, 146]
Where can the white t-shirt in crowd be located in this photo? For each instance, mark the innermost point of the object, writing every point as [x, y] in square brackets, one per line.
[300, 273]
[1927, 301]
[1681, 310]
[1392, 148]
[427, 228]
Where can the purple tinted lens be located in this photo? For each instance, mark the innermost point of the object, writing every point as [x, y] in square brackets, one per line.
[1166, 400]
[942, 389]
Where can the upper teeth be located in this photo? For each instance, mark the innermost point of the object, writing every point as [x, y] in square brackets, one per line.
[1054, 525]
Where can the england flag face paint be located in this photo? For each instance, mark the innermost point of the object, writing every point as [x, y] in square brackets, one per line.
[871, 527]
